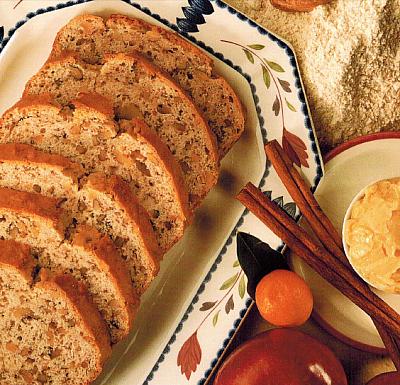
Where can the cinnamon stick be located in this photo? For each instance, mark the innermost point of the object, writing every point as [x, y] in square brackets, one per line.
[283, 225]
[306, 192]
[285, 173]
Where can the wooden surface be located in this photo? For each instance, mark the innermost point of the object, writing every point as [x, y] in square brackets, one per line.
[359, 366]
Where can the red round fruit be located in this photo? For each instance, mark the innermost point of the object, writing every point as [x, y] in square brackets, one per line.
[390, 378]
[281, 357]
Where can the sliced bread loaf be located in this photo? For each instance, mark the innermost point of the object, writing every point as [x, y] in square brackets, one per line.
[138, 89]
[92, 37]
[82, 252]
[51, 331]
[87, 134]
[107, 203]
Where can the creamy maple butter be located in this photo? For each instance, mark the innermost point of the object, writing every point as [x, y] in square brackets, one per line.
[372, 235]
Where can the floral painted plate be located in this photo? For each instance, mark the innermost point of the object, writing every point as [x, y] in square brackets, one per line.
[349, 168]
[194, 307]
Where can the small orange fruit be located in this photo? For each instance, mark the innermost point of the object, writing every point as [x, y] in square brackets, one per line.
[284, 299]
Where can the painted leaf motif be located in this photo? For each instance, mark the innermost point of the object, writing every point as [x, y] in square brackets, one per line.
[266, 77]
[203, 6]
[229, 282]
[193, 15]
[249, 56]
[236, 263]
[285, 85]
[290, 208]
[290, 106]
[276, 107]
[215, 318]
[207, 305]
[279, 201]
[257, 47]
[257, 259]
[242, 287]
[230, 305]
[268, 194]
[295, 148]
[186, 25]
[189, 356]
[274, 66]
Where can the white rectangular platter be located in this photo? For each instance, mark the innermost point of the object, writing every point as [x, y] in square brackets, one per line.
[193, 308]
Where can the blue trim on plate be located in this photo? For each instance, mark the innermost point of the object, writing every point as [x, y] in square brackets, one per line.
[197, 5]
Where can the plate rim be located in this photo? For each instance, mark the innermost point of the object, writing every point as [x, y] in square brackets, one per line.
[308, 123]
[348, 145]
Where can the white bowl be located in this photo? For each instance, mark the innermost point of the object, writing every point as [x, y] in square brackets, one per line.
[357, 197]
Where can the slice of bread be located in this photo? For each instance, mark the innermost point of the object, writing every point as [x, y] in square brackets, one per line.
[107, 203]
[82, 252]
[86, 133]
[92, 37]
[138, 89]
[24, 168]
[51, 331]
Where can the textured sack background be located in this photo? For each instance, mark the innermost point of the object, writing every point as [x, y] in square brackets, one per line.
[349, 56]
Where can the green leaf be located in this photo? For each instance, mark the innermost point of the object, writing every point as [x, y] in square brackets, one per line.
[249, 55]
[257, 259]
[242, 287]
[229, 282]
[215, 318]
[230, 305]
[207, 306]
[257, 47]
[236, 263]
[266, 77]
[290, 106]
[274, 66]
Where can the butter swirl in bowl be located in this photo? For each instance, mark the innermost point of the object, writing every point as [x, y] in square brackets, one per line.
[371, 234]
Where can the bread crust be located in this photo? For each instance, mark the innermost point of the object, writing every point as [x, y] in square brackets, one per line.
[103, 248]
[24, 153]
[76, 294]
[140, 128]
[36, 205]
[17, 256]
[94, 101]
